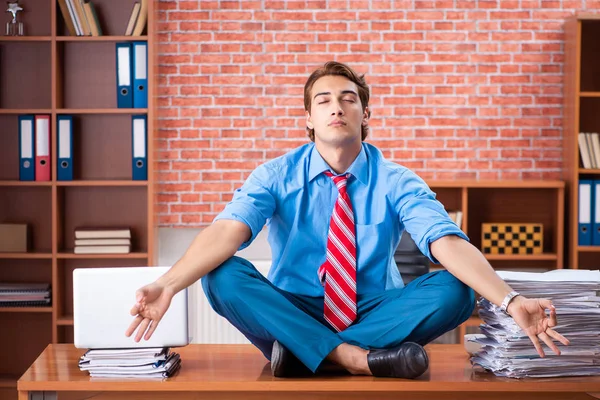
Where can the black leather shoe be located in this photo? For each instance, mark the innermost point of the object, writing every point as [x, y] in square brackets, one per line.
[285, 364]
[409, 360]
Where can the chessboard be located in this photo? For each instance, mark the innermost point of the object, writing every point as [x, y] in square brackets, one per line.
[511, 238]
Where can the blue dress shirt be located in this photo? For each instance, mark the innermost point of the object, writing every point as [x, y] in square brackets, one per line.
[295, 199]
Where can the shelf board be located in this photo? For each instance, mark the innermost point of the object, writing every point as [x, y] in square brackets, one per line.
[25, 111]
[590, 249]
[107, 182]
[522, 257]
[589, 171]
[533, 184]
[8, 381]
[25, 38]
[589, 94]
[105, 38]
[27, 255]
[101, 110]
[25, 183]
[70, 255]
[66, 320]
[45, 309]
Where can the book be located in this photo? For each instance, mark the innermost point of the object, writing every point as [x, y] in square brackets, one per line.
[102, 233]
[92, 18]
[103, 242]
[140, 24]
[133, 18]
[102, 249]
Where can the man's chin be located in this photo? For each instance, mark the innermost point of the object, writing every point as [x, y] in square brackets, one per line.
[338, 140]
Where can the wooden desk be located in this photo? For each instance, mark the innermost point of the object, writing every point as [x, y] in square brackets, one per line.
[240, 371]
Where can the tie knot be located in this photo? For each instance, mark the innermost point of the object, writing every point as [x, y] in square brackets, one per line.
[339, 180]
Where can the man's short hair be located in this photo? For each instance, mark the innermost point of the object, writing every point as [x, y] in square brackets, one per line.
[337, 69]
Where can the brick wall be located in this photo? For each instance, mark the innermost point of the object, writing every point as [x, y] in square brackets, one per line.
[460, 89]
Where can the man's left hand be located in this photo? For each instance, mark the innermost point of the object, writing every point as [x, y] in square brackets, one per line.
[530, 315]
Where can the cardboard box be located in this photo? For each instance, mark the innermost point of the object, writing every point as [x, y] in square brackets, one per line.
[13, 238]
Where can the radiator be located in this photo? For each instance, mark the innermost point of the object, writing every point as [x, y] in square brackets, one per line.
[206, 326]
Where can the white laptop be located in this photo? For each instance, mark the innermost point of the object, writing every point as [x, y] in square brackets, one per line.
[102, 300]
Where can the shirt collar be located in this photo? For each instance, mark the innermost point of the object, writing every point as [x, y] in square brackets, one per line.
[358, 168]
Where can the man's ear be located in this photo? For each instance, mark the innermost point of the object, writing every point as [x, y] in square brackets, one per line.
[309, 123]
[365, 120]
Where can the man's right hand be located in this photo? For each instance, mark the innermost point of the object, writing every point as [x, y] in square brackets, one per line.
[152, 302]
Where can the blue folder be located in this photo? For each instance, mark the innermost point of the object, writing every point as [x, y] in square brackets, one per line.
[585, 214]
[139, 147]
[596, 213]
[65, 147]
[140, 74]
[26, 148]
[124, 75]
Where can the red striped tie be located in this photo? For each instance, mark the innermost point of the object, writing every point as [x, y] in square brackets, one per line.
[338, 272]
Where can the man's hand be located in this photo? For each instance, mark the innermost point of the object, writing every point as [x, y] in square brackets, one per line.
[152, 302]
[530, 315]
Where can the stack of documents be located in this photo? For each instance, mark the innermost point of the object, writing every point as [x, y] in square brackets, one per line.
[507, 351]
[154, 362]
[24, 294]
[102, 240]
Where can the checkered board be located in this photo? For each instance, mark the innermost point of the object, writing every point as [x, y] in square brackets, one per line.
[499, 238]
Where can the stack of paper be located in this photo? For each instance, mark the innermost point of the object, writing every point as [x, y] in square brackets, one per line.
[155, 362]
[507, 351]
[25, 294]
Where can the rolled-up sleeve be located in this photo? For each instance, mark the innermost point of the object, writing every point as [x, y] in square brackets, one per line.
[253, 203]
[421, 214]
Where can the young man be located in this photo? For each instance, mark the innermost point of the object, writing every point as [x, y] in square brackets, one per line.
[336, 210]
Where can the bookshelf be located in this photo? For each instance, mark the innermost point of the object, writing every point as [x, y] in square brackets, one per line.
[510, 202]
[49, 72]
[581, 110]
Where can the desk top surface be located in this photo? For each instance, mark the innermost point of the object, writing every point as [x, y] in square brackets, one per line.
[232, 368]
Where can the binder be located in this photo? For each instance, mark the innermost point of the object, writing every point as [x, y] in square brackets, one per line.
[26, 148]
[65, 147]
[584, 237]
[139, 147]
[124, 92]
[42, 148]
[140, 74]
[596, 213]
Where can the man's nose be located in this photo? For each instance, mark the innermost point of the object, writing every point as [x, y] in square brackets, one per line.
[337, 109]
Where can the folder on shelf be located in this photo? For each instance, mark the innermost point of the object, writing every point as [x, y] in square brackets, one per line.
[139, 148]
[65, 147]
[124, 92]
[26, 148]
[42, 148]
[596, 213]
[584, 236]
[140, 74]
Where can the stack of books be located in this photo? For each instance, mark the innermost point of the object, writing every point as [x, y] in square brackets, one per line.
[24, 294]
[507, 351]
[153, 362]
[102, 240]
[589, 149]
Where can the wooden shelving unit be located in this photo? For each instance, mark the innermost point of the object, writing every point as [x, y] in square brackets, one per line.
[51, 73]
[581, 110]
[508, 201]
